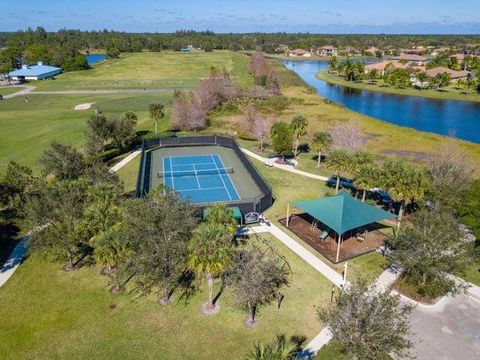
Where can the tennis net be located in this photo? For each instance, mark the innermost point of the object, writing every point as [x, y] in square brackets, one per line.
[162, 174]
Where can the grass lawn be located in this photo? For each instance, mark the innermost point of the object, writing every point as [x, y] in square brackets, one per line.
[47, 313]
[6, 90]
[150, 70]
[28, 128]
[472, 273]
[128, 174]
[447, 93]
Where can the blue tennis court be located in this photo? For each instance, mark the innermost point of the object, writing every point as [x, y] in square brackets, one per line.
[199, 178]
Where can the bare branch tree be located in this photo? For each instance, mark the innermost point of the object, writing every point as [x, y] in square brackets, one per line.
[347, 136]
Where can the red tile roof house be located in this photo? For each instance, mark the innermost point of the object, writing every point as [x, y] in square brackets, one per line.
[299, 52]
[380, 66]
[455, 75]
[412, 59]
[327, 50]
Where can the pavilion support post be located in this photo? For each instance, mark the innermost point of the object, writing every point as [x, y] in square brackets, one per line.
[288, 214]
[339, 240]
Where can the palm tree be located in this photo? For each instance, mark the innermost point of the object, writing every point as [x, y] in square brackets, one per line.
[405, 183]
[320, 143]
[299, 126]
[210, 253]
[221, 214]
[156, 112]
[280, 349]
[367, 177]
[338, 161]
[111, 249]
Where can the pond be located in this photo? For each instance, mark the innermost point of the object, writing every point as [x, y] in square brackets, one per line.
[445, 117]
[95, 58]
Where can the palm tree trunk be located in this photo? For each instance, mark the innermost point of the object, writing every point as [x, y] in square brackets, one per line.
[254, 312]
[338, 184]
[156, 126]
[70, 260]
[319, 160]
[210, 289]
[364, 195]
[400, 214]
[296, 148]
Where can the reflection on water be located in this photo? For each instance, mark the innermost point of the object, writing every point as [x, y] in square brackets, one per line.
[445, 117]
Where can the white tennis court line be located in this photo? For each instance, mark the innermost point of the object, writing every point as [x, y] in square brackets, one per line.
[210, 188]
[196, 177]
[203, 163]
[229, 178]
[221, 177]
[171, 173]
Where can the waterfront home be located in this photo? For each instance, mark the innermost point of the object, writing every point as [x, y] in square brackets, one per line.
[412, 59]
[455, 75]
[382, 65]
[299, 52]
[351, 51]
[327, 50]
[34, 72]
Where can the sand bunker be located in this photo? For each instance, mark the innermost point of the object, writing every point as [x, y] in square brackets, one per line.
[85, 106]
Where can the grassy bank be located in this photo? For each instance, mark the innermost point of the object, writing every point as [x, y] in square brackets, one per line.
[150, 70]
[446, 93]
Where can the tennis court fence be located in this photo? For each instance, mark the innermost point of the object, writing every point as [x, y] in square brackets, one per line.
[258, 204]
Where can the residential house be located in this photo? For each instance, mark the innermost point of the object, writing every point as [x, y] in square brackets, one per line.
[381, 66]
[454, 74]
[412, 59]
[299, 52]
[327, 50]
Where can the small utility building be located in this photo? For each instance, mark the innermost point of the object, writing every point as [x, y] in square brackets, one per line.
[34, 72]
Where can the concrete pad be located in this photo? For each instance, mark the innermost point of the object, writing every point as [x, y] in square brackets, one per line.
[452, 333]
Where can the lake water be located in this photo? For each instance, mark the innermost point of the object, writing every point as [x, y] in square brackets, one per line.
[94, 58]
[445, 117]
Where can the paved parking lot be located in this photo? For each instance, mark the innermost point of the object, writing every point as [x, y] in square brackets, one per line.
[449, 333]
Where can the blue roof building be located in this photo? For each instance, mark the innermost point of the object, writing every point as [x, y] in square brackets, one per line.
[35, 72]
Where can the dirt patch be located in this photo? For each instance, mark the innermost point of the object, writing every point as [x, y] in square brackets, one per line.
[209, 310]
[84, 106]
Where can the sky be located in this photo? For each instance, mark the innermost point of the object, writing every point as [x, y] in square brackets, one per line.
[223, 16]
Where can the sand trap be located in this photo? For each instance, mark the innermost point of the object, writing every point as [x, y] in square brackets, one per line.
[85, 106]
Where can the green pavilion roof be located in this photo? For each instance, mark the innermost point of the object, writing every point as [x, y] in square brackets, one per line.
[342, 212]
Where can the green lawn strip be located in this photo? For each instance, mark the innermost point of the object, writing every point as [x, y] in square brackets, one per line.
[128, 174]
[9, 90]
[47, 313]
[150, 70]
[447, 93]
[28, 128]
[472, 273]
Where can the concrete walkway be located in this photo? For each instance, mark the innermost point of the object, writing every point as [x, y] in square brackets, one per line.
[106, 91]
[291, 168]
[15, 259]
[325, 336]
[125, 161]
[31, 90]
[305, 254]
[24, 90]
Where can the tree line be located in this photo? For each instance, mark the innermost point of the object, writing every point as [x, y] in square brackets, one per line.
[63, 47]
